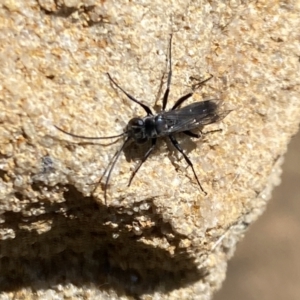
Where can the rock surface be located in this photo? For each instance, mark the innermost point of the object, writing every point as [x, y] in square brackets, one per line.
[160, 238]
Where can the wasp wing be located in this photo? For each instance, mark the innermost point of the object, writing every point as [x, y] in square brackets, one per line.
[192, 116]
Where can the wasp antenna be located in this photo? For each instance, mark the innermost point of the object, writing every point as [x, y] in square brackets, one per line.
[113, 162]
[90, 137]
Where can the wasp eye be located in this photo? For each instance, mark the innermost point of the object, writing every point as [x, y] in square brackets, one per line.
[138, 122]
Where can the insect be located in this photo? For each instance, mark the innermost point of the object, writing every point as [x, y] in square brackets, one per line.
[163, 124]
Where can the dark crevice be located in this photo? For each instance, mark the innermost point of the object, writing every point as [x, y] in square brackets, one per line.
[83, 247]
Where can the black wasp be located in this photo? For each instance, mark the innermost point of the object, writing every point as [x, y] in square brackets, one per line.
[164, 124]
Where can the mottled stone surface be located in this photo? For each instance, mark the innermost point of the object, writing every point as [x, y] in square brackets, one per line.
[161, 238]
[270, 250]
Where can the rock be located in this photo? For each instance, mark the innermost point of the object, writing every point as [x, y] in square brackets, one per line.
[160, 238]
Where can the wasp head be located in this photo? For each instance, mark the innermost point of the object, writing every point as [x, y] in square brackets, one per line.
[136, 130]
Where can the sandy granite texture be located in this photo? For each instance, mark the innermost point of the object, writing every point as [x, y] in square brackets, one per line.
[160, 238]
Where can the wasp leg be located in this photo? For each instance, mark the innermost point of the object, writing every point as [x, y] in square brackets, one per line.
[192, 134]
[166, 95]
[177, 146]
